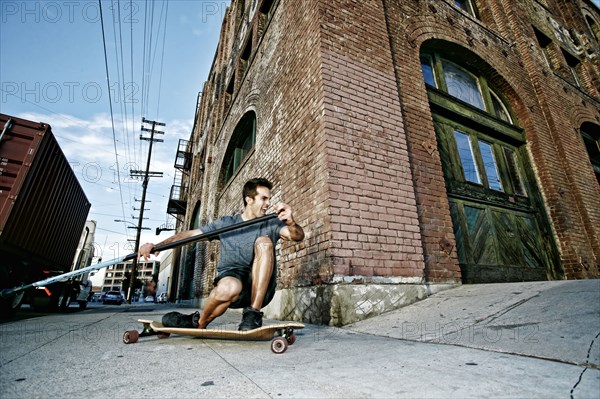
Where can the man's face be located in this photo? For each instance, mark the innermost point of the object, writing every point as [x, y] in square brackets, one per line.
[260, 203]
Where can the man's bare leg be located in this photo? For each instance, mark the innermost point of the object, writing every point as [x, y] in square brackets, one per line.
[226, 292]
[262, 269]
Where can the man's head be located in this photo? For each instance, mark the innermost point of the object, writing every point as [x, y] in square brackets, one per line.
[256, 195]
[250, 188]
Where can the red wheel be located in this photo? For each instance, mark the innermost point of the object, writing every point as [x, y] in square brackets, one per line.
[131, 337]
[291, 339]
[279, 345]
[162, 335]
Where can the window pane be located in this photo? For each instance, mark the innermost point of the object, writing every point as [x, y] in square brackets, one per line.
[462, 85]
[489, 163]
[513, 172]
[572, 62]
[500, 110]
[593, 150]
[465, 152]
[240, 144]
[465, 5]
[427, 71]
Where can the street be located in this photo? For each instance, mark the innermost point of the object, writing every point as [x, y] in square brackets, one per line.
[81, 353]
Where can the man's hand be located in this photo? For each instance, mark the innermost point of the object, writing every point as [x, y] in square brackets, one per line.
[145, 251]
[285, 214]
[291, 231]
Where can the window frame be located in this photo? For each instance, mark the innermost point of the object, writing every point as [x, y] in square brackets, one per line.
[594, 26]
[502, 104]
[573, 64]
[431, 66]
[455, 172]
[478, 83]
[485, 90]
[236, 154]
[592, 140]
[457, 184]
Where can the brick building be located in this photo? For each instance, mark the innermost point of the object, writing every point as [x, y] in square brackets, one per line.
[422, 144]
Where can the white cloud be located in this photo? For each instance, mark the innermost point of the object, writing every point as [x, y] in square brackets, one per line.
[89, 147]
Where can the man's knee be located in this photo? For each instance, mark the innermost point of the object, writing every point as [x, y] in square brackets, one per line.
[263, 243]
[228, 290]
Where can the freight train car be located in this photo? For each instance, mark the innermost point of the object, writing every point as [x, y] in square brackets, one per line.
[43, 209]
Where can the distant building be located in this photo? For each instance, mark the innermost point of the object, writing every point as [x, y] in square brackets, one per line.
[164, 274]
[422, 144]
[115, 274]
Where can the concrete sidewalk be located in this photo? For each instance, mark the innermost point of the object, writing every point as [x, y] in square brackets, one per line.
[501, 340]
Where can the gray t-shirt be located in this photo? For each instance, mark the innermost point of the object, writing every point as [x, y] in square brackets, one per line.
[237, 246]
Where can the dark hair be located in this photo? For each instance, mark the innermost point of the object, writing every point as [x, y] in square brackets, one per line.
[252, 184]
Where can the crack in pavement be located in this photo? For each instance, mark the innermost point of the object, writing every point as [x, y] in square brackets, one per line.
[587, 365]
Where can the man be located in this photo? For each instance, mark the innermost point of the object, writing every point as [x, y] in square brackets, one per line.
[247, 270]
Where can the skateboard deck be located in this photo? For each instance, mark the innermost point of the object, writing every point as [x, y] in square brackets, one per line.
[284, 332]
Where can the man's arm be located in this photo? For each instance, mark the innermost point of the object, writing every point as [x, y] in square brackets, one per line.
[291, 231]
[146, 249]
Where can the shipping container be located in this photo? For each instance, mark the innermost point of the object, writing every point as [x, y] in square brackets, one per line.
[43, 208]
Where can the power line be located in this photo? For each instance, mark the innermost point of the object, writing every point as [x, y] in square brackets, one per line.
[122, 87]
[110, 103]
[162, 58]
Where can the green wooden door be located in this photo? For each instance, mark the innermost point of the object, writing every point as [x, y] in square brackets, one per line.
[498, 221]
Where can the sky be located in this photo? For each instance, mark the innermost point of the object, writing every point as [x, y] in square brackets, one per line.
[53, 70]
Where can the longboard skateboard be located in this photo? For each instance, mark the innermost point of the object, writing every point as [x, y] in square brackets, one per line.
[279, 344]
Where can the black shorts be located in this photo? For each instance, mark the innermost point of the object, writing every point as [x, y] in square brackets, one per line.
[244, 299]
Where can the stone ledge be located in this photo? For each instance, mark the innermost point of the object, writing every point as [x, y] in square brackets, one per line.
[341, 304]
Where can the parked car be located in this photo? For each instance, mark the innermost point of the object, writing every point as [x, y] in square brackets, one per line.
[114, 297]
[162, 298]
[149, 298]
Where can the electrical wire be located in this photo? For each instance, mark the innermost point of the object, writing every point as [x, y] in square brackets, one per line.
[110, 104]
[162, 59]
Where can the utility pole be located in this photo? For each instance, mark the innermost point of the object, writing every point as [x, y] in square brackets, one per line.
[146, 174]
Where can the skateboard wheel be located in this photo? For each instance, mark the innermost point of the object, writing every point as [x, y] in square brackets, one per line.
[162, 335]
[131, 337]
[291, 339]
[279, 345]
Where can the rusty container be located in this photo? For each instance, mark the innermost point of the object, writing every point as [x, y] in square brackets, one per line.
[43, 208]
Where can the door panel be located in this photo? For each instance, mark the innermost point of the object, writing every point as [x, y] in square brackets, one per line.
[497, 245]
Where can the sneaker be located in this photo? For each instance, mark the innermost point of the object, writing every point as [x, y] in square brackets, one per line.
[251, 319]
[180, 320]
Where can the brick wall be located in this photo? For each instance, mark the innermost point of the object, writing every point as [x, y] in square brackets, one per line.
[558, 109]
[375, 229]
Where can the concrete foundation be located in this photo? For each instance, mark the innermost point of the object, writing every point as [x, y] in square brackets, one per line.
[341, 304]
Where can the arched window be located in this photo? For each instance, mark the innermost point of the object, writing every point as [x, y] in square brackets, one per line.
[241, 144]
[481, 157]
[463, 85]
[591, 138]
[195, 222]
[593, 27]
[497, 215]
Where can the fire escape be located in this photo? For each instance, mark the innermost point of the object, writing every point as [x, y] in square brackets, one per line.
[178, 196]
